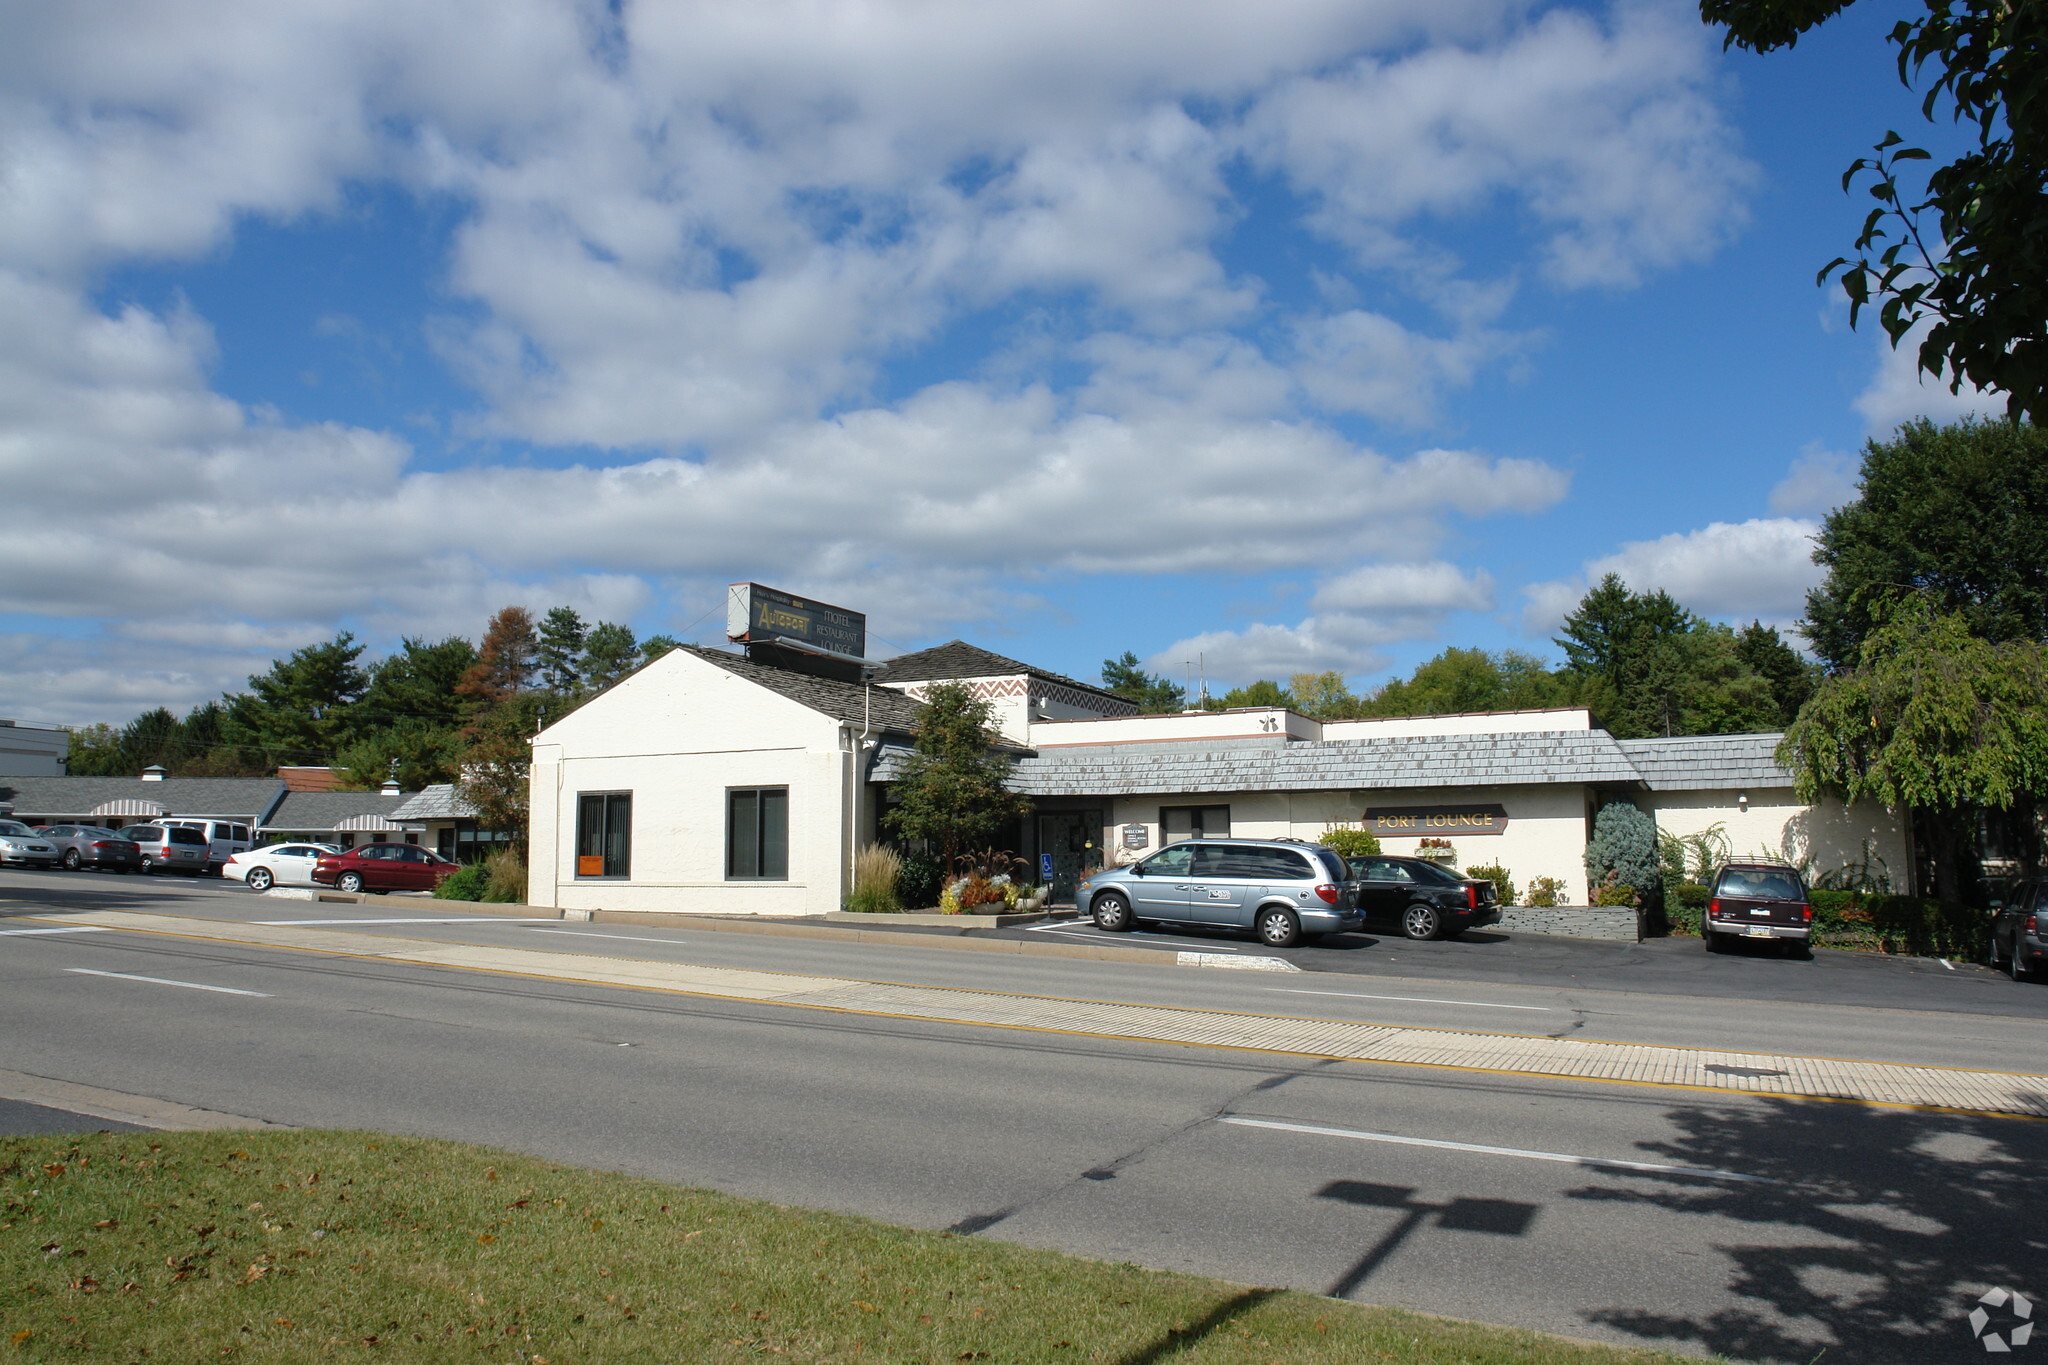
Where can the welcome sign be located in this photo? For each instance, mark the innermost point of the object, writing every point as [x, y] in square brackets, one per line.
[1436, 820]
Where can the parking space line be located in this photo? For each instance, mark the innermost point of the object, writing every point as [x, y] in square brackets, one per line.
[1100, 937]
[1567, 1158]
[71, 929]
[165, 981]
[1412, 999]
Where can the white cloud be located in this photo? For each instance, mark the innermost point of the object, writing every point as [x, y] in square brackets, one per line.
[1899, 392]
[1756, 569]
[1819, 481]
[1434, 586]
[1232, 658]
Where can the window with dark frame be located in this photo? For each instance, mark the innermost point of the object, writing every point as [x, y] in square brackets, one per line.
[757, 833]
[604, 834]
[1194, 822]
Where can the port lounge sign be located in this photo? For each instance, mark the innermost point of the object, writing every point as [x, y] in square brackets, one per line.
[1436, 821]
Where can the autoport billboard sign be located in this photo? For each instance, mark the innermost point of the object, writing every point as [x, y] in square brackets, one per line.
[757, 615]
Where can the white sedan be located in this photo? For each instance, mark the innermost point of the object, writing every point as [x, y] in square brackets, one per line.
[276, 864]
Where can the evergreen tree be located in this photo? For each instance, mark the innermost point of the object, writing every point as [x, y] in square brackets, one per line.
[560, 652]
[506, 661]
[1790, 678]
[1957, 512]
[654, 646]
[1154, 694]
[609, 654]
[953, 791]
[300, 710]
[418, 683]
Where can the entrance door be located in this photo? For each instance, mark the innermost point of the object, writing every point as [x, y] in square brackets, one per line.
[1066, 835]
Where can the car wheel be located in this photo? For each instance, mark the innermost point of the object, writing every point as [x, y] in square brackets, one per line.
[1278, 928]
[1715, 943]
[259, 879]
[71, 860]
[148, 865]
[349, 881]
[1113, 913]
[1421, 921]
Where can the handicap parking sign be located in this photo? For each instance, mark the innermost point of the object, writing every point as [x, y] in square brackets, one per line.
[1045, 866]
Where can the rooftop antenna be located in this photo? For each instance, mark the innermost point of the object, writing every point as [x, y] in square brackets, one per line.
[1203, 656]
[1188, 676]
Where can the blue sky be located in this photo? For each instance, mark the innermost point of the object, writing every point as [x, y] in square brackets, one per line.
[1296, 336]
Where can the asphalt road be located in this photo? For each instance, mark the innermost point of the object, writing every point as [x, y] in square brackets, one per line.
[1802, 1225]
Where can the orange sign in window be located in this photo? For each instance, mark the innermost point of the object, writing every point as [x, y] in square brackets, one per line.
[590, 865]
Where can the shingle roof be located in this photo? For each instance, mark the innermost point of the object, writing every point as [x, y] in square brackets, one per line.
[311, 810]
[242, 798]
[852, 703]
[1431, 761]
[1707, 762]
[438, 802]
[958, 659]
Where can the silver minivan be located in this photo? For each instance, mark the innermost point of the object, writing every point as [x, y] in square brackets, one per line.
[169, 848]
[1282, 890]
[224, 839]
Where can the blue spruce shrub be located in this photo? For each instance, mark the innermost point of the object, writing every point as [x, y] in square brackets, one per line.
[1623, 850]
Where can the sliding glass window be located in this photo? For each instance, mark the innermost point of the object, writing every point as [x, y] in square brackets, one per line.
[757, 833]
[604, 834]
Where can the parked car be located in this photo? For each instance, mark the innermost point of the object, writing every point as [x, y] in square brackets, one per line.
[169, 848]
[20, 844]
[80, 846]
[383, 867]
[224, 839]
[2019, 935]
[1282, 890]
[1421, 898]
[1756, 900]
[277, 864]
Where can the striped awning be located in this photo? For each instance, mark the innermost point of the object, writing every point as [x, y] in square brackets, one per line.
[368, 822]
[130, 805]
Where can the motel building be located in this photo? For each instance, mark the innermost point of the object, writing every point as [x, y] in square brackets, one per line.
[742, 781]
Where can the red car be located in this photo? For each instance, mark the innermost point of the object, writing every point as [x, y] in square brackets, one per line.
[383, 867]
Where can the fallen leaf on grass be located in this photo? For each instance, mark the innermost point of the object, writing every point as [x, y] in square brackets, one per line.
[21, 1338]
[485, 1238]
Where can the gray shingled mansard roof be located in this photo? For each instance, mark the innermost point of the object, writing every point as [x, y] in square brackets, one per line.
[958, 659]
[1497, 760]
[882, 708]
[437, 802]
[63, 798]
[1707, 762]
[329, 810]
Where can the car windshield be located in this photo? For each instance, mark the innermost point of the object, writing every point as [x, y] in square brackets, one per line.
[14, 827]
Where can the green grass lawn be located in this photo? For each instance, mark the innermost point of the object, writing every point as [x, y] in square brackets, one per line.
[340, 1247]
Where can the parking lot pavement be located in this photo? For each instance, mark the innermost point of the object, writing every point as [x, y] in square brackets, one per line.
[22, 1120]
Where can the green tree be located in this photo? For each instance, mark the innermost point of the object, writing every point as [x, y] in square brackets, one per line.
[1958, 512]
[954, 790]
[497, 758]
[560, 651]
[609, 654]
[418, 683]
[1323, 696]
[1931, 718]
[1623, 851]
[300, 711]
[1970, 258]
[1264, 692]
[1461, 680]
[414, 753]
[1627, 652]
[1790, 678]
[654, 646]
[95, 751]
[1153, 693]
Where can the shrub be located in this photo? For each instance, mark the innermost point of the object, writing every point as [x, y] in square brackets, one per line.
[466, 884]
[1692, 895]
[1544, 892]
[505, 877]
[1613, 893]
[877, 870]
[1884, 923]
[1350, 843]
[1623, 850]
[1503, 884]
[917, 883]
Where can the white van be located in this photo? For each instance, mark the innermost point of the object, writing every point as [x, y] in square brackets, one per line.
[225, 840]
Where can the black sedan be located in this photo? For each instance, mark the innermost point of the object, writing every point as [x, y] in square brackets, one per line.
[1422, 899]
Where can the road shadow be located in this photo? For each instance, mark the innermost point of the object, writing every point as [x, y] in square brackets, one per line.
[1881, 1231]
[1499, 1217]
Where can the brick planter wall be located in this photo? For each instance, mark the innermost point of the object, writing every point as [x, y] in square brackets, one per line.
[1570, 921]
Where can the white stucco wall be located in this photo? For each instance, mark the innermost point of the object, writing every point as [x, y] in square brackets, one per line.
[1823, 838]
[1470, 723]
[1545, 834]
[1178, 727]
[677, 735]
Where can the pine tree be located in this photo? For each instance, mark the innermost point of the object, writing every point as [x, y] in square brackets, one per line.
[560, 654]
[506, 661]
[609, 654]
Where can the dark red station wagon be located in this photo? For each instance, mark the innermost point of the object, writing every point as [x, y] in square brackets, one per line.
[383, 867]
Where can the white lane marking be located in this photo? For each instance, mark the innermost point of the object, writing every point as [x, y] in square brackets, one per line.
[1946, 963]
[592, 933]
[1413, 999]
[162, 981]
[466, 919]
[1566, 1158]
[1102, 937]
[74, 929]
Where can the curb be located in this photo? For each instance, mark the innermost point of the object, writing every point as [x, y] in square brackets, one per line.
[832, 932]
[140, 1110]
